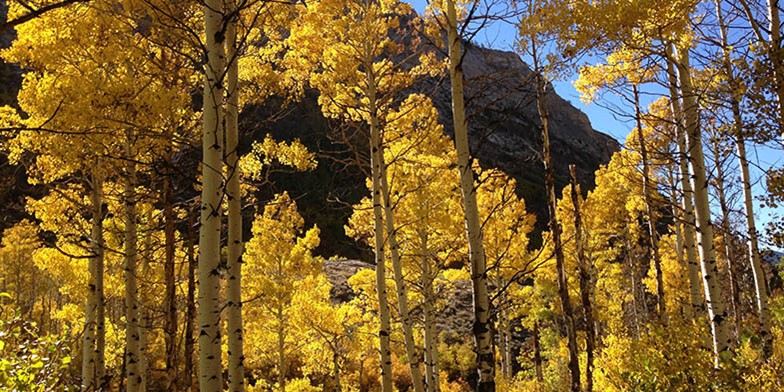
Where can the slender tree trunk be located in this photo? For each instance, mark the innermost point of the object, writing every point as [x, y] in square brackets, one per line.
[90, 340]
[713, 292]
[687, 221]
[378, 230]
[482, 329]
[190, 300]
[555, 227]
[414, 359]
[586, 284]
[760, 282]
[653, 246]
[729, 255]
[210, 372]
[234, 196]
[431, 334]
[132, 339]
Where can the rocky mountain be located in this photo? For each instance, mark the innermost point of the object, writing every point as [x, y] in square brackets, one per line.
[503, 131]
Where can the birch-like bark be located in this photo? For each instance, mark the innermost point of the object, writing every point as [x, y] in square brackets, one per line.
[586, 282]
[432, 383]
[234, 196]
[482, 329]
[133, 354]
[555, 227]
[653, 246]
[687, 199]
[91, 380]
[729, 255]
[378, 233]
[210, 373]
[414, 360]
[713, 292]
[760, 282]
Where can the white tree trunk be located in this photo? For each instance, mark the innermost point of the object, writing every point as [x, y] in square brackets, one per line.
[432, 383]
[414, 359]
[234, 196]
[482, 329]
[760, 282]
[133, 355]
[378, 233]
[713, 292]
[687, 220]
[91, 347]
[210, 372]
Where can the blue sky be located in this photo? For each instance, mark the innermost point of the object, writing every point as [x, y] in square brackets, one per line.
[502, 36]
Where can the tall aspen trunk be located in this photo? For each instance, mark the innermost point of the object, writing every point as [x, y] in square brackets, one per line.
[92, 340]
[555, 227]
[687, 220]
[170, 286]
[713, 292]
[414, 360]
[133, 355]
[729, 255]
[378, 233]
[760, 282]
[586, 282]
[504, 342]
[432, 383]
[210, 372]
[190, 300]
[234, 196]
[673, 183]
[482, 328]
[653, 246]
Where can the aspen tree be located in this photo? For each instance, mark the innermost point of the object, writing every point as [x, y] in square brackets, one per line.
[234, 196]
[760, 282]
[729, 255]
[687, 198]
[210, 372]
[653, 248]
[482, 329]
[363, 30]
[713, 292]
[93, 341]
[133, 350]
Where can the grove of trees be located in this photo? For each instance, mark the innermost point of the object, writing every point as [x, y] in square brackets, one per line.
[153, 250]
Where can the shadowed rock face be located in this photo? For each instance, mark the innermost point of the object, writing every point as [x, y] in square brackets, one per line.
[503, 131]
[504, 126]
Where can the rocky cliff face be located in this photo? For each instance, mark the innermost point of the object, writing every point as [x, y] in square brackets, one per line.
[503, 131]
[504, 126]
